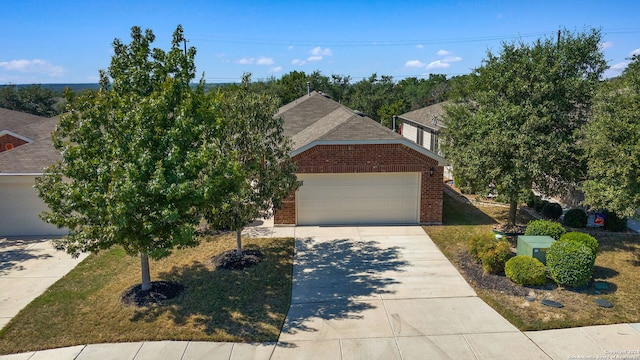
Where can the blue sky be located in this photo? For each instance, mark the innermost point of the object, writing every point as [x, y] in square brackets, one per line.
[69, 41]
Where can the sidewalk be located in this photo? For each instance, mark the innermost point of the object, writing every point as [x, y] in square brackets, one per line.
[379, 292]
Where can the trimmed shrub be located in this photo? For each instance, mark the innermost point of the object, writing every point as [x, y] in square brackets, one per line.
[479, 244]
[494, 258]
[570, 263]
[552, 210]
[545, 228]
[613, 222]
[525, 270]
[538, 204]
[582, 238]
[575, 218]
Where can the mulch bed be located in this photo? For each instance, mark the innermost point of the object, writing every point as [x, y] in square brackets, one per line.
[473, 272]
[159, 292]
[228, 260]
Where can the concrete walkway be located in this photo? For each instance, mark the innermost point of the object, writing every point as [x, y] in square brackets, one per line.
[379, 293]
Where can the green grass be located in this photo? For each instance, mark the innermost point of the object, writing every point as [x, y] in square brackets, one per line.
[84, 307]
[617, 263]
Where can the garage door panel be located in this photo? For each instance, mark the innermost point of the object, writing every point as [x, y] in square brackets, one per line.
[368, 198]
[20, 207]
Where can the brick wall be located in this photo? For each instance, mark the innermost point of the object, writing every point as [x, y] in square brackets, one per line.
[371, 158]
[7, 142]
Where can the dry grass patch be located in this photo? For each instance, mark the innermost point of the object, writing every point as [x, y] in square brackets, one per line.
[617, 264]
[217, 305]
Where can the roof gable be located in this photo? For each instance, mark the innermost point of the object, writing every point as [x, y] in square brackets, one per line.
[429, 116]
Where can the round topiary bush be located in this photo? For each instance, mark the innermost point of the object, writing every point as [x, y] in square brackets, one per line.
[552, 210]
[613, 222]
[582, 238]
[494, 258]
[538, 203]
[570, 263]
[575, 218]
[480, 243]
[525, 270]
[545, 228]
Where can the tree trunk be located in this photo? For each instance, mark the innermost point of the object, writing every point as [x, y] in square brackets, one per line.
[513, 211]
[146, 276]
[239, 242]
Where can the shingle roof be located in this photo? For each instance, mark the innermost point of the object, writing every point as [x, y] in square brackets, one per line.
[31, 157]
[430, 116]
[315, 117]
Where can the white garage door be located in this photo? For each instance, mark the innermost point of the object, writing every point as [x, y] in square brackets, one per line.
[369, 198]
[19, 208]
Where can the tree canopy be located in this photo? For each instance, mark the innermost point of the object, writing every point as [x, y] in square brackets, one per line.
[32, 99]
[612, 145]
[517, 126]
[141, 156]
[256, 140]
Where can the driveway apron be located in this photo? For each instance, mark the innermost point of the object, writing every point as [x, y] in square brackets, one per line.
[388, 293]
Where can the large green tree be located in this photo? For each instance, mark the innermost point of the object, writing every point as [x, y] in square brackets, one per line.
[613, 145]
[140, 156]
[32, 99]
[519, 124]
[256, 140]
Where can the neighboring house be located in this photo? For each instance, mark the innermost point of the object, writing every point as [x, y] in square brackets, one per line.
[25, 150]
[356, 171]
[423, 127]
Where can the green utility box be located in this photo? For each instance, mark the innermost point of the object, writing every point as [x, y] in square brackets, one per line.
[535, 246]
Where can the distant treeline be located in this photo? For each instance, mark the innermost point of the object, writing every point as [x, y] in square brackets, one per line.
[379, 97]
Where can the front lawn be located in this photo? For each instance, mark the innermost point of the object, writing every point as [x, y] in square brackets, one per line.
[617, 265]
[84, 307]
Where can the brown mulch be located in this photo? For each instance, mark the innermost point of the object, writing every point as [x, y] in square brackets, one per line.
[159, 292]
[228, 260]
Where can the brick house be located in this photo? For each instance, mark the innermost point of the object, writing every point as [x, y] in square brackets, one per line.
[25, 150]
[356, 171]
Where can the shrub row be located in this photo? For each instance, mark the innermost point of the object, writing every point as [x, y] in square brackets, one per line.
[485, 249]
[545, 228]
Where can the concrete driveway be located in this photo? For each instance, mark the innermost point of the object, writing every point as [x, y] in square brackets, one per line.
[388, 293]
[28, 266]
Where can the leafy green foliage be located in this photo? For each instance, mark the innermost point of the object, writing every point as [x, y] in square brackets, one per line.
[545, 228]
[494, 258]
[570, 263]
[140, 156]
[480, 243]
[256, 141]
[613, 145]
[613, 222]
[575, 218]
[552, 210]
[32, 99]
[582, 238]
[518, 124]
[525, 270]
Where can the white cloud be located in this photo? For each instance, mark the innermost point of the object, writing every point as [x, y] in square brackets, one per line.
[443, 53]
[605, 45]
[246, 61]
[298, 62]
[33, 66]
[414, 64]
[318, 51]
[420, 46]
[438, 64]
[635, 52]
[264, 61]
[450, 59]
[290, 47]
[276, 69]
[620, 66]
[314, 58]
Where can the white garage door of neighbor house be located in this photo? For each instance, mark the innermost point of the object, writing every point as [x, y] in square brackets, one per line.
[364, 198]
[19, 209]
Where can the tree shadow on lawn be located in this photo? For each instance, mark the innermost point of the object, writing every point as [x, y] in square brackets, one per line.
[334, 279]
[230, 305]
[13, 253]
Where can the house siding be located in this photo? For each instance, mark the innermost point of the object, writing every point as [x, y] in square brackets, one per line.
[371, 158]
